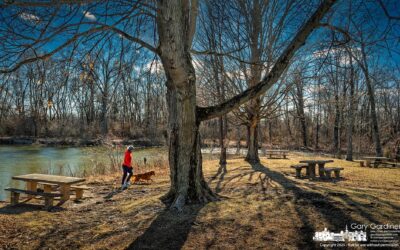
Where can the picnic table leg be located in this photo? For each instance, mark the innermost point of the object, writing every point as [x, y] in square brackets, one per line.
[367, 163]
[298, 172]
[65, 192]
[311, 166]
[48, 202]
[31, 186]
[14, 198]
[321, 169]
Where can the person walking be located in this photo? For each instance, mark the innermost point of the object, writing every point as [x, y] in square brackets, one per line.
[127, 168]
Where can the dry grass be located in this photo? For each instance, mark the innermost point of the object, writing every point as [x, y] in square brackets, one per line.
[262, 206]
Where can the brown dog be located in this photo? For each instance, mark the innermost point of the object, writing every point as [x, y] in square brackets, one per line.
[145, 177]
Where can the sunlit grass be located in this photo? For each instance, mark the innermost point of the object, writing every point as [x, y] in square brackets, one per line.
[260, 207]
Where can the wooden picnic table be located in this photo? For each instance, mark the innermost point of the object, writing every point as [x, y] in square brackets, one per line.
[65, 183]
[375, 159]
[311, 167]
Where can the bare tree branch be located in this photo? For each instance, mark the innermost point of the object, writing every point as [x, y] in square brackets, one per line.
[387, 12]
[205, 113]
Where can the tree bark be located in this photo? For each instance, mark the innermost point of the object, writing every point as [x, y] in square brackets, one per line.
[350, 124]
[252, 143]
[371, 96]
[300, 111]
[222, 136]
[336, 136]
[187, 180]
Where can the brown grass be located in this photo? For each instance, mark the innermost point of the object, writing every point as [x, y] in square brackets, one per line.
[261, 207]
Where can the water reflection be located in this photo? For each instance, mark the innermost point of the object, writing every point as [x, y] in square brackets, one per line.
[16, 160]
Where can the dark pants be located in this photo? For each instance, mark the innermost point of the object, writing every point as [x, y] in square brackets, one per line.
[127, 171]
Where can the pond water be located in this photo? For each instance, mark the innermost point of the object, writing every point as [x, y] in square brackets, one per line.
[17, 160]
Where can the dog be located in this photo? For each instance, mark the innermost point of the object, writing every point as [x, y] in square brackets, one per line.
[145, 177]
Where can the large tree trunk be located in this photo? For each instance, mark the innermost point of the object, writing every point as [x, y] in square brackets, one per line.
[187, 181]
[255, 35]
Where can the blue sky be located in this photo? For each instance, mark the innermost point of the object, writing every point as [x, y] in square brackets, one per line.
[25, 22]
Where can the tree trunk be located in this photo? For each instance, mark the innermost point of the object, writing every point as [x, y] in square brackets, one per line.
[300, 111]
[350, 124]
[375, 126]
[238, 140]
[104, 106]
[336, 135]
[175, 26]
[371, 95]
[222, 136]
[187, 181]
[252, 143]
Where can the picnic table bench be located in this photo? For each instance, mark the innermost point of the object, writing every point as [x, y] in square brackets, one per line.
[65, 184]
[376, 161]
[277, 152]
[298, 168]
[48, 197]
[336, 170]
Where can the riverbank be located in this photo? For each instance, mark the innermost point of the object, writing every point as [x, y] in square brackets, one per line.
[77, 142]
[262, 207]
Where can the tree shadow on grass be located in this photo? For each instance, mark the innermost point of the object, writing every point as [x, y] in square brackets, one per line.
[303, 199]
[23, 207]
[169, 230]
[222, 171]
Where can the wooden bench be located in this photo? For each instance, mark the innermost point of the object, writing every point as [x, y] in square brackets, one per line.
[48, 197]
[298, 168]
[361, 162]
[328, 172]
[280, 153]
[393, 164]
[79, 191]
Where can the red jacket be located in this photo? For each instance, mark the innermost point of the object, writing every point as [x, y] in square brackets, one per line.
[127, 159]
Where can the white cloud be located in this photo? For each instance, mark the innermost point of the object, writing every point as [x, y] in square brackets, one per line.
[155, 67]
[89, 15]
[29, 17]
[344, 57]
